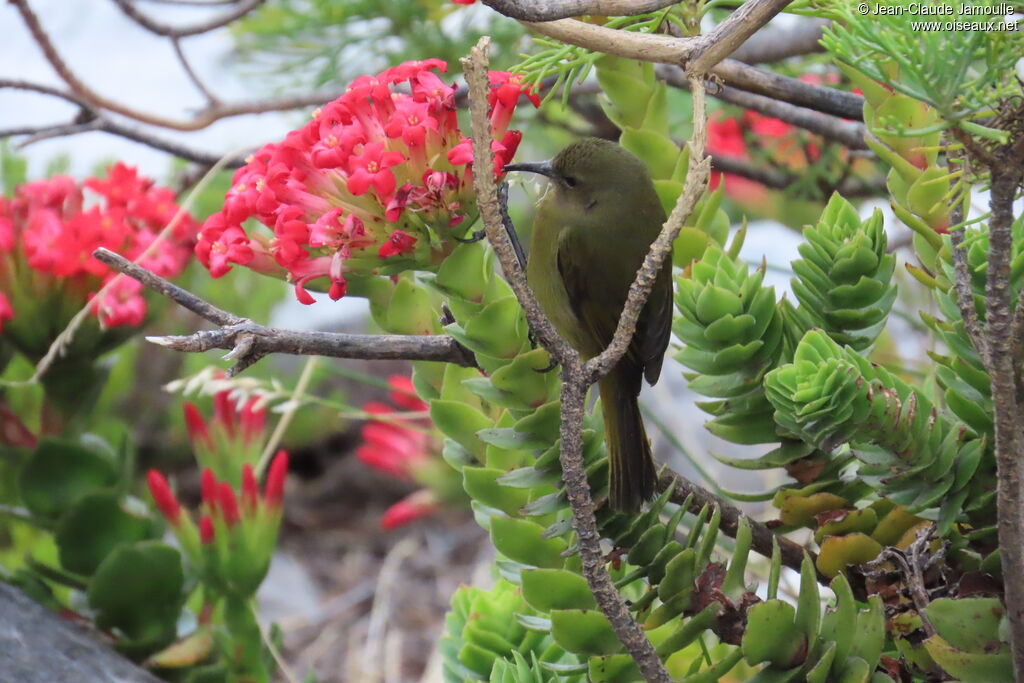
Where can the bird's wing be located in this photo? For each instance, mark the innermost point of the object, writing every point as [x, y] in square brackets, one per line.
[597, 295]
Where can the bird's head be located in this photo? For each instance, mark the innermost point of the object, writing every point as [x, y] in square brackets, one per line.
[591, 173]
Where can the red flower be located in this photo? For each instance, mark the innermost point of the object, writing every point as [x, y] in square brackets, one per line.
[273, 492]
[51, 236]
[396, 446]
[359, 182]
[206, 530]
[398, 243]
[6, 312]
[250, 489]
[373, 167]
[762, 126]
[218, 248]
[228, 503]
[164, 497]
[416, 506]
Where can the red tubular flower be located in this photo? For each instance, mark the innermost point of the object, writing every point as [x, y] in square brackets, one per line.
[415, 506]
[206, 530]
[196, 425]
[6, 312]
[273, 492]
[394, 446]
[164, 497]
[250, 490]
[208, 487]
[228, 503]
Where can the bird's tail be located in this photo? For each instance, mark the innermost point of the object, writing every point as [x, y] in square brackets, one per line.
[633, 476]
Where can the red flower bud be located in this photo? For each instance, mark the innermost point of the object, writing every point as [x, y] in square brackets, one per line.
[228, 504]
[224, 412]
[416, 506]
[196, 425]
[206, 530]
[273, 493]
[164, 497]
[208, 486]
[250, 491]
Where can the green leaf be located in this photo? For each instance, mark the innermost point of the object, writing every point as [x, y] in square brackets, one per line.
[460, 423]
[59, 473]
[551, 589]
[773, 636]
[139, 590]
[523, 541]
[93, 527]
[584, 631]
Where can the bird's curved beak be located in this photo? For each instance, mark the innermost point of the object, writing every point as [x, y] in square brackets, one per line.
[541, 167]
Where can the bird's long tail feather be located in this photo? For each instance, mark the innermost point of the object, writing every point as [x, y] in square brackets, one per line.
[633, 477]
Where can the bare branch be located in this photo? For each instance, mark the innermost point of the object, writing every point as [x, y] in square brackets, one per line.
[549, 10]
[964, 288]
[732, 32]
[247, 341]
[574, 385]
[848, 133]
[779, 179]
[773, 44]
[1006, 170]
[678, 51]
[162, 29]
[192, 75]
[819, 98]
[85, 96]
[792, 554]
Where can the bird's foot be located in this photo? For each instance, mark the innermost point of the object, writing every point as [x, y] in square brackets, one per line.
[473, 237]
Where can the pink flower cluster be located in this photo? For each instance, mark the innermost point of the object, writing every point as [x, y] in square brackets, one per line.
[50, 228]
[374, 183]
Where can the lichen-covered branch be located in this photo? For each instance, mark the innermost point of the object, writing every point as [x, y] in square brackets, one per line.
[679, 51]
[247, 342]
[549, 10]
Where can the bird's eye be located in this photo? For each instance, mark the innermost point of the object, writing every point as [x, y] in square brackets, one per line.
[570, 181]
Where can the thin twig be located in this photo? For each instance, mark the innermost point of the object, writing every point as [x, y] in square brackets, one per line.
[669, 50]
[848, 133]
[792, 553]
[964, 288]
[166, 30]
[733, 32]
[81, 93]
[191, 73]
[247, 341]
[549, 10]
[573, 389]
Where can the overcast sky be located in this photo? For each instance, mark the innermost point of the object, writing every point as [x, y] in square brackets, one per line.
[120, 60]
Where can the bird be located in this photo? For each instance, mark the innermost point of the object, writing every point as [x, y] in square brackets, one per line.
[591, 231]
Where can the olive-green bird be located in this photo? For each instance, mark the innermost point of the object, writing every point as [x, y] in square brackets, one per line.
[592, 230]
